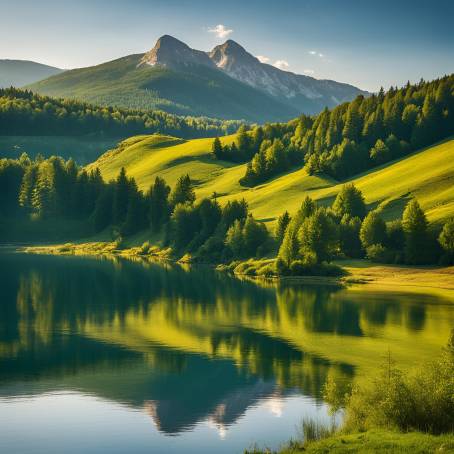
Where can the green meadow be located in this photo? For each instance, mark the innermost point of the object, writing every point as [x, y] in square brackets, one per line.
[426, 175]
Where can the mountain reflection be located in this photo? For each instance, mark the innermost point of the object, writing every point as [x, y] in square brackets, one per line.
[191, 345]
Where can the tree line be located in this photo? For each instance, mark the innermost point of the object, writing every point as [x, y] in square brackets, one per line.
[54, 189]
[316, 234]
[350, 138]
[23, 112]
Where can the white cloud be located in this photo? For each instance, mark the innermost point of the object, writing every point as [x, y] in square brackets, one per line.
[262, 58]
[221, 31]
[281, 64]
[321, 55]
[316, 53]
[313, 52]
[309, 71]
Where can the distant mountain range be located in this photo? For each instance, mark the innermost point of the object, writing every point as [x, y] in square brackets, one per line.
[227, 82]
[18, 73]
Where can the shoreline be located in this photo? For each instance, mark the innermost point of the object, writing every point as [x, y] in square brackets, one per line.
[361, 274]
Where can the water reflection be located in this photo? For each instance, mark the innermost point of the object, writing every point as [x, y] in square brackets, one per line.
[192, 345]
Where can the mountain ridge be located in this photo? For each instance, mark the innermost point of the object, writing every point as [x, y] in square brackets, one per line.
[227, 82]
[17, 73]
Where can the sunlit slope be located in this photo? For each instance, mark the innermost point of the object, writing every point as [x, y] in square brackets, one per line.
[145, 157]
[427, 175]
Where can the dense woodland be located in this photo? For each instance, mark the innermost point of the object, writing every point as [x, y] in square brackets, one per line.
[25, 113]
[351, 138]
[53, 189]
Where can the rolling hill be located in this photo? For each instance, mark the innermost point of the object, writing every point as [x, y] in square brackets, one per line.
[18, 73]
[226, 83]
[427, 175]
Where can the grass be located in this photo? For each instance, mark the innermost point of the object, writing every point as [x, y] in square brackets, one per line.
[427, 175]
[376, 441]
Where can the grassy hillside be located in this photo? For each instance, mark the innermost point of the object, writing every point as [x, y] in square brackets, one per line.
[427, 175]
[202, 91]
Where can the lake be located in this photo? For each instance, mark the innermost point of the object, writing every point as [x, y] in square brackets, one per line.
[114, 355]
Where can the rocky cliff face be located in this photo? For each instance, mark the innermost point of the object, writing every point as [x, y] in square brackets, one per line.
[171, 52]
[295, 89]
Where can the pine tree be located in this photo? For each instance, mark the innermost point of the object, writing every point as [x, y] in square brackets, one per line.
[234, 239]
[349, 240]
[415, 225]
[243, 143]
[349, 201]
[446, 240]
[380, 152]
[102, 215]
[317, 236]
[216, 149]
[183, 192]
[182, 226]
[282, 224]
[307, 208]
[28, 183]
[289, 249]
[373, 230]
[121, 197]
[158, 198]
[352, 127]
[255, 235]
[136, 218]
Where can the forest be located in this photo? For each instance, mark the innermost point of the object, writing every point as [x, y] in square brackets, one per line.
[350, 138]
[23, 112]
[33, 191]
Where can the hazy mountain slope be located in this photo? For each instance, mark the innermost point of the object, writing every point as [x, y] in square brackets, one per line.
[182, 88]
[18, 73]
[427, 175]
[305, 93]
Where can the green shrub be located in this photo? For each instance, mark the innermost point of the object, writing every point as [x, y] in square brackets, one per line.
[422, 401]
[145, 248]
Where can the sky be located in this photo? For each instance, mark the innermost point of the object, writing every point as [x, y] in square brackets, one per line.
[365, 43]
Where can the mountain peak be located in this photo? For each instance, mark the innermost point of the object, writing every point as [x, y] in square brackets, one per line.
[231, 54]
[169, 40]
[171, 52]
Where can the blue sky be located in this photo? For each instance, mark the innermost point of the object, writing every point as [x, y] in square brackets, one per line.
[365, 43]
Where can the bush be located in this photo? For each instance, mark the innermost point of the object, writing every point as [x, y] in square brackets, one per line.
[304, 268]
[145, 248]
[421, 401]
[376, 253]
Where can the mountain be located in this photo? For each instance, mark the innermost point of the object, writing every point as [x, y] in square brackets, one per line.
[305, 93]
[171, 77]
[227, 82]
[18, 73]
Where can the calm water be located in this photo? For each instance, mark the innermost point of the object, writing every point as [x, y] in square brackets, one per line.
[101, 355]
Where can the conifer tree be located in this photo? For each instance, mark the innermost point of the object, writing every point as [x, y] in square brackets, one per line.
[373, 230]
[282, 224]
[216, 149]
[349, 201]
[158, 198]
[182, 192]
[415, 225]
[234, 239]
[121, 197]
